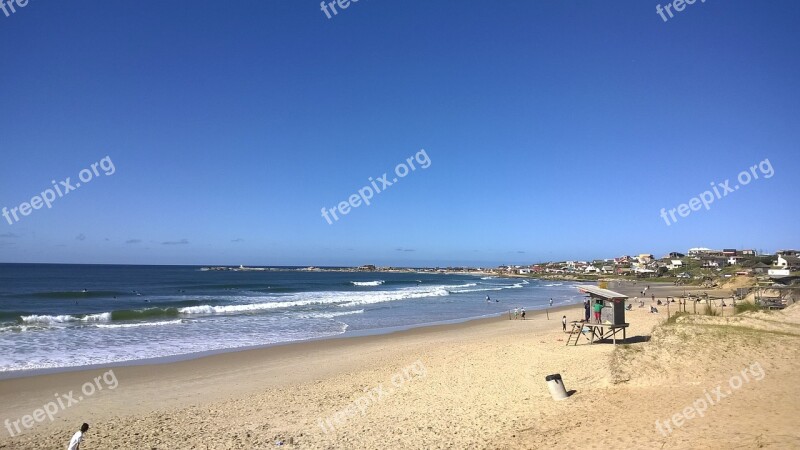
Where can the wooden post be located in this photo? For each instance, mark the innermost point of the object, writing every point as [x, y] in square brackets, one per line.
[547, 311]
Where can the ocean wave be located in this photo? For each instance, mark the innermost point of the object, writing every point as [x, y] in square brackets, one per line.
[464, 291]
[251, 307]
[117, 315]
[141, 314]
[340, 298]
[368, 283]
[65, 318]
[330, 315]
[488, 278]
[265, 303]
[140, 324]
[487, 287]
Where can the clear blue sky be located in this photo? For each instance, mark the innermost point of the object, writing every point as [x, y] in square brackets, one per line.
[555, 129]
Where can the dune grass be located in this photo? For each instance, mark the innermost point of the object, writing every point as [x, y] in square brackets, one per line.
[746, 306]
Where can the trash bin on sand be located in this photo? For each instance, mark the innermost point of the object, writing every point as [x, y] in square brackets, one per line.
[556, 386]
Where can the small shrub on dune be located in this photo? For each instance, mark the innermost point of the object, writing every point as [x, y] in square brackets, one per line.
[711, 311]
[746, 306]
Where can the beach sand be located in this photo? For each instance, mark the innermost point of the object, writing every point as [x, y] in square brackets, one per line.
[479, 384]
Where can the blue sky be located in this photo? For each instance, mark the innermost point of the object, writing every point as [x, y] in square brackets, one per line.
[555, 130]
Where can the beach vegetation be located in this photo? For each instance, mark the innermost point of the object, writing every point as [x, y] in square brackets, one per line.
[674, 318]
[746, 306]
[709, 310]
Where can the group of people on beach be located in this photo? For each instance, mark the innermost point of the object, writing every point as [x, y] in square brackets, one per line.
[588, 308]
[520, 312]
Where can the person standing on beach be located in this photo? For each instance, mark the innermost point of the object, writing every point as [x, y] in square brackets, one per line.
[598, 306]
[586, 307]
[523, 313]
[75, 442]
[564, 323]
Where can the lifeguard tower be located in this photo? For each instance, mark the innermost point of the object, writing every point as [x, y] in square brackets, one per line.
[612, 317]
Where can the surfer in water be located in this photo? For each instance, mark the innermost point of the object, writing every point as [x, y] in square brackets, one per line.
[488, 299]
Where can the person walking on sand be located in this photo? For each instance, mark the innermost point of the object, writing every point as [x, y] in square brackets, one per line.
[75, 442]
[523, 313]
[564, 324]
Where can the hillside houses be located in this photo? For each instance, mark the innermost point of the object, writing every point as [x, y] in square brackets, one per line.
[788, 262]
[675, 264]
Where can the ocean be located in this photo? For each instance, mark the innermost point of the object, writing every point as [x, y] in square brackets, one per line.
[55, 316]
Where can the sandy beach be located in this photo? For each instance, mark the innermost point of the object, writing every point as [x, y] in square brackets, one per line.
[479, 384]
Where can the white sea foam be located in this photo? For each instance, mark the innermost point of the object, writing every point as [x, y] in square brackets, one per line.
[487, 287]
[54, 349]
[102, 317]
[330, 315]
[368, 283]
[140, 324]
[65, 318]
[340, 298]
[390, 296]
[49, 319]
[251, 307]
[18, 328]
[464, 291]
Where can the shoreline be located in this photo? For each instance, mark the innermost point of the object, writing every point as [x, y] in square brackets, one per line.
[387, 332]
[155, 356]
[219, 377]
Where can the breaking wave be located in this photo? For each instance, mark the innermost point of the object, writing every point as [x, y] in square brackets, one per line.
[368, 283]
